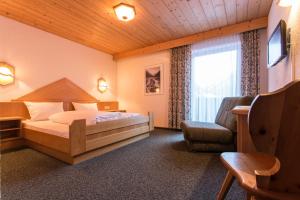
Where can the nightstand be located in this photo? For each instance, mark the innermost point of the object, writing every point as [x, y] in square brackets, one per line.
[11, 132]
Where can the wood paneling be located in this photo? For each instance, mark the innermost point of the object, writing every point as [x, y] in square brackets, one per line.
[94, 24]
[227, 30]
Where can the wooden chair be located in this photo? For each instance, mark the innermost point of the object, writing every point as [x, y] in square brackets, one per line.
[274, 171]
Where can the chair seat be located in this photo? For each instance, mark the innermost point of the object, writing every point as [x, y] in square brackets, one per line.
[206, 132]
[243, 166]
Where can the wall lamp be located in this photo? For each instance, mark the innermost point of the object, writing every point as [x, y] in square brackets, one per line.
[7, 74]
[102, 85]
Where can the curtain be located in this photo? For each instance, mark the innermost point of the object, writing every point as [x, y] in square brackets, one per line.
[179, 100]
[215, 75]
[250, 63]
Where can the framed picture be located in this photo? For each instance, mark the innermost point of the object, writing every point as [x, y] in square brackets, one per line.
[154, 79]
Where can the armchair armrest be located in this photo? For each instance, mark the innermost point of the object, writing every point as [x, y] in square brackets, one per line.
[263, 176]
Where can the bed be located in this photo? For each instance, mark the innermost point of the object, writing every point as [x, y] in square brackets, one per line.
[79, 140]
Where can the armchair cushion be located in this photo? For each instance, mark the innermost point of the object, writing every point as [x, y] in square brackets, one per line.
[206, 132]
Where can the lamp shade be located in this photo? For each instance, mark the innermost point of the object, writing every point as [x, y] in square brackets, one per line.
[7, 74]
[102, 85]
[124, 12]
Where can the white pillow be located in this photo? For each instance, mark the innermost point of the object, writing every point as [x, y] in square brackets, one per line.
[69, 116]
[85, 106]
[42, 110]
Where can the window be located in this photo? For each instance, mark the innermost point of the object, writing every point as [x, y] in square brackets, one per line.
[215, 75]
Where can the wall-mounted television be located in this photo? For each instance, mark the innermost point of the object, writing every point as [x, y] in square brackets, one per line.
[277, 45]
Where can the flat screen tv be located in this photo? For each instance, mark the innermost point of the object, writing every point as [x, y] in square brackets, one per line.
[277, 47]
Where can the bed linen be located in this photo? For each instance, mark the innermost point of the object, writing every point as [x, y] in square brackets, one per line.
[91, 117]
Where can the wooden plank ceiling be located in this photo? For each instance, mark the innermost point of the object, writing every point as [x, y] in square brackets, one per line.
[94, 24]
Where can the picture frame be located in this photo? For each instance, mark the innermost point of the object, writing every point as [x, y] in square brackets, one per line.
[153, 79]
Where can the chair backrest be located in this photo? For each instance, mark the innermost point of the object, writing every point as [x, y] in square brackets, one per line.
[225, 117]
[274, 124]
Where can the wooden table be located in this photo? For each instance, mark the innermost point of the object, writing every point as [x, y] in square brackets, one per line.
[244, 140]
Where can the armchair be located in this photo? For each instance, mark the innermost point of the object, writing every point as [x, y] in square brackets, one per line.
[219, 136]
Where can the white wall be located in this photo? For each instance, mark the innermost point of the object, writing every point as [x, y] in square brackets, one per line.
[40, 58]
[131, 86]
[284, 72]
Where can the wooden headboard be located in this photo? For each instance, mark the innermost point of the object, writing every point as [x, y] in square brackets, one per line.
[62, 90]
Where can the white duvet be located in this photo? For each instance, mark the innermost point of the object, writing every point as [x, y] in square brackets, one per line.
[91, 116]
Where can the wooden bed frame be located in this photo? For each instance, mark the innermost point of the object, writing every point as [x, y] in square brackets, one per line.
[84, 142]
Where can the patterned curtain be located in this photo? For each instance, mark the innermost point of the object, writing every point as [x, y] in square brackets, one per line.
[250, 63]
[180, 86]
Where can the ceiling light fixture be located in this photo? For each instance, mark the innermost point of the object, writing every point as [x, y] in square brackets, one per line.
[124, 12]
[285, 3]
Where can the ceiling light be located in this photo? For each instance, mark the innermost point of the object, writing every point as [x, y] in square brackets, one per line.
[284, 3]
[124, 12]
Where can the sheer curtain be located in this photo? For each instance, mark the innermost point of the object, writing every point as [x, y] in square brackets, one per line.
[216, 66]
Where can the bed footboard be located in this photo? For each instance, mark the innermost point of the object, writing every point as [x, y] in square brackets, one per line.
[77, 136]
[151, 121]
